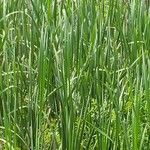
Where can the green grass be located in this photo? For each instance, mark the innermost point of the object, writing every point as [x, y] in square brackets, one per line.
[74, 75]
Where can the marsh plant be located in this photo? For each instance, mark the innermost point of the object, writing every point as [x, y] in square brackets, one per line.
[74, 74]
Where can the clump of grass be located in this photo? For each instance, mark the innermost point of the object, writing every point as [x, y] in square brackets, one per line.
[74, 74]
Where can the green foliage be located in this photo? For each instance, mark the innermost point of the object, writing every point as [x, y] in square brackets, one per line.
[74, 74]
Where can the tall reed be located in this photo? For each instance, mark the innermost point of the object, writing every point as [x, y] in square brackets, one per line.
[74, 74]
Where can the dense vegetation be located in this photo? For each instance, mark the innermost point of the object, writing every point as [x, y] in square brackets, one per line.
[74, 74]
